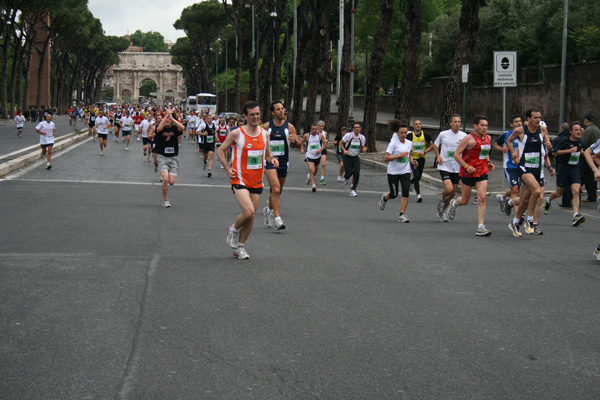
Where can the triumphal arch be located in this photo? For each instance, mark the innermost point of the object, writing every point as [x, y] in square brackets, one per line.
[134, 68]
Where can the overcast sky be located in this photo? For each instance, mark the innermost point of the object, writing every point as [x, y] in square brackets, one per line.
[119, 17]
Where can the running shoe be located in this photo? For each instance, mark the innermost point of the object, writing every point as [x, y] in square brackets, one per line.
[444, 217]
[232, 237]
[537, 230]
[578, 219]
[48, 166]
[597, 254]
[402, 218]
[155, 167]
[483, 231]
[268, 217]
[279, 225]
[382, 202]
[501, 202]
[339, 179]
[314, 188]
[546, 206]
[204, 166]
[308, 179]
[240, 253]
[452, 210]
[166, 204]
[353, 193]
[515, 229]
[322, 181]
[507, 208]
[476, 202]
[529, 227]
[209, 173]
[126, 148]
[419, 198]
[441, 204]
[344, 181]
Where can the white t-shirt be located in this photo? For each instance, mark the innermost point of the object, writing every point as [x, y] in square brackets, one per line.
[401, 165]
[48, 129]
[192, 120]
[19, 120]
[102, 124]
[145, 126]
[126, 123]
[447, 142]
[357, 142]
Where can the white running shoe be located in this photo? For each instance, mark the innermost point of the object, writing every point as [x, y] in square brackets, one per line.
[419, 198]
[232, 237]
[452, 210]
[166, 204]
[382, 202]
[268, 217]
[240, 253]
[500, 200]
[353, 193]
[402, 218]
[279, 225]
[308, 179]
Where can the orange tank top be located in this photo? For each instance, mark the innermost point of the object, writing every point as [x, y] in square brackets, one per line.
[249, 159]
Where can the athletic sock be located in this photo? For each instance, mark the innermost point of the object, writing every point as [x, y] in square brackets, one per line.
[530, 218]
[515, 221]
[509, 202]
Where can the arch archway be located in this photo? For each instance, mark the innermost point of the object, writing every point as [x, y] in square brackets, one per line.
[126, 95]
[147, 86]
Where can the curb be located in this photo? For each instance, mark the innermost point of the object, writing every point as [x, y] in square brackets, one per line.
[33, 152]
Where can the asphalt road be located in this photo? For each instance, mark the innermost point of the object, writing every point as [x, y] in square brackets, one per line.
[104, 294]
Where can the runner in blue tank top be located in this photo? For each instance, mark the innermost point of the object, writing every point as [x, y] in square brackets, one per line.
[282, 136]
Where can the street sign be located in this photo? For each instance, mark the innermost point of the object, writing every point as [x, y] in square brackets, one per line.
[505, 69]
[465, 73]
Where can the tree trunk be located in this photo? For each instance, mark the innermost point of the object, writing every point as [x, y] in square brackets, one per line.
[410, 60]
[344, 96]
[326, 57]
[7, 36]
[465, 48]
[376, 72]
[265, 73]
[304, 38]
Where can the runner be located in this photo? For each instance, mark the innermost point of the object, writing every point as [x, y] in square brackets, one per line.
[47, 131]
[208, 147]
[325, 135]
[145, 128]
[19, 121]
[338, 152]
[101, 128]
[282, 136]
[353, 143]
[137, 120]
[91, 120]
[118, 115]
[399, 155]
[567, 153]
[167, 137]
[192, 121]
[315, 143]
[422, 145]
[510, 198]
[475, 166]
[126, 122]
[222, 132]
[251, 148]
[444, 146]
[529, 157]
[592, 157]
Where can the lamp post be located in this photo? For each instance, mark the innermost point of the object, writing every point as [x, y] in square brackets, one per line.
[273, 16]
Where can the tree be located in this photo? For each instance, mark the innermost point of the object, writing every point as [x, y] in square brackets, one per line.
[347, 63]
[151, 41]
[410, 61]
[376, 72]
[148, 86]
[465, 48]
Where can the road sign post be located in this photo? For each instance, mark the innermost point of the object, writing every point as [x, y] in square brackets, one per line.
[505, 75]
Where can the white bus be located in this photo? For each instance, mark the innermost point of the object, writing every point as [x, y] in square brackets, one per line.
[191, 104]
[206, 102]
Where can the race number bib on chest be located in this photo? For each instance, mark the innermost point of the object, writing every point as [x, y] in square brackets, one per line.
[418, 147]
[532, 160]
[255, 159]
[278, 147]
[169, 150]
[484, 152]
[574, 159]
[210, 139]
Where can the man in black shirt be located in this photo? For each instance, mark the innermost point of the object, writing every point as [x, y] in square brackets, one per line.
[166, 138]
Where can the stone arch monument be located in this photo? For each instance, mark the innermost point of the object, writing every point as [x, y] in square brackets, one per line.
[135, 67]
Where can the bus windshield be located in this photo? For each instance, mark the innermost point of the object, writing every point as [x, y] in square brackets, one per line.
[207, 99]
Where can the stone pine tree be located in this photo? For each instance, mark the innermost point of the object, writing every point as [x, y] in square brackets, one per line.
[410, 59]
[376, 72]
[465, 49]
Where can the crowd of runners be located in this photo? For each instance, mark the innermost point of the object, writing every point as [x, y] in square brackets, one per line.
[247, 149]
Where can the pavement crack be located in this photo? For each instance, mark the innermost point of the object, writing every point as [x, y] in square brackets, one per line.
[128, 379]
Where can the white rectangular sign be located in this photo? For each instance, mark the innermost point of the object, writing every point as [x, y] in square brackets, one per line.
[465, 73]
[505, 69]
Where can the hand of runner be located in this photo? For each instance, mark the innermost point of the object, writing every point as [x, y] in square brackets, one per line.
[232, 173]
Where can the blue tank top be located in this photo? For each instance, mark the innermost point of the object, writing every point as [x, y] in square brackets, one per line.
[279, 138]
[531, 156]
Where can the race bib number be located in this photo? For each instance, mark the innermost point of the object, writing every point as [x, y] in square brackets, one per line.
[450, 153]
[485, 151]
[418, 147]
[532, 160]
[402, 160]
[255, 159]
[210, 139]
[314, 147]
[574, 159]
[126, 127]
[354, 146]
[278, 147]
[169, 150]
